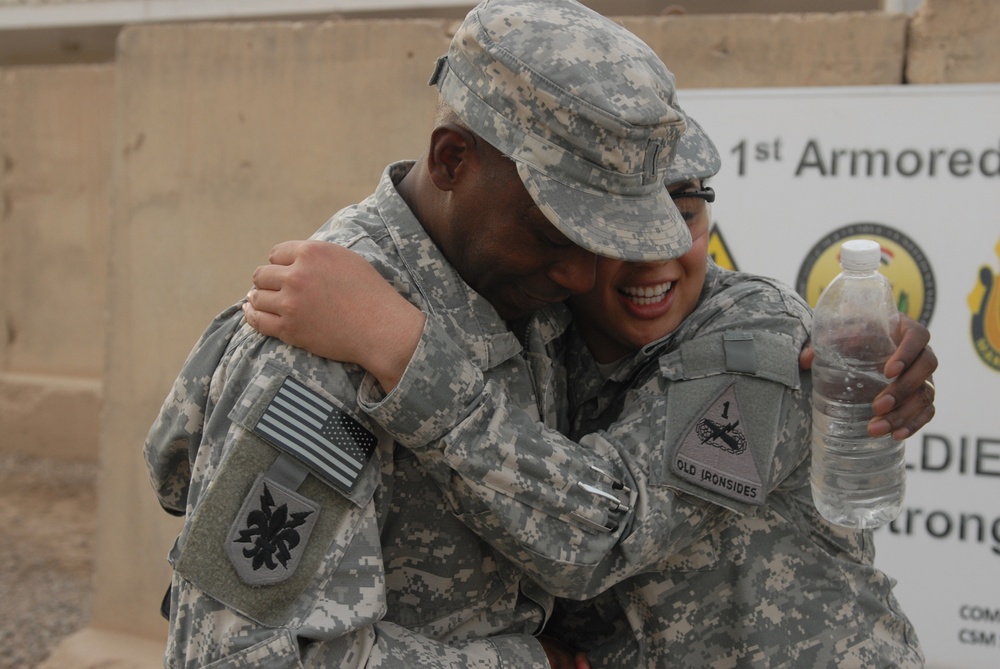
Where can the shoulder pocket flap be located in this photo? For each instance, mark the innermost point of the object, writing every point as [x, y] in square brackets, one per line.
[244, 545]
[767, 355]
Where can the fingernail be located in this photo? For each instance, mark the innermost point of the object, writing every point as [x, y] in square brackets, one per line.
[879, 427]
[895, 369]
[884, 404]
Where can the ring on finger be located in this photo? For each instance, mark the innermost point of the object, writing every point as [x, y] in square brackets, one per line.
[930, 384]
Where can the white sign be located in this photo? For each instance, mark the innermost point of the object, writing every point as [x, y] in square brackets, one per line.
[917, 168]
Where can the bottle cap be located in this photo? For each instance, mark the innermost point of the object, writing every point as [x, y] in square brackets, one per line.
[860, 255]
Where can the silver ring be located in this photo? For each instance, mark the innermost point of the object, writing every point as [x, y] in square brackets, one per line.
[930, 384]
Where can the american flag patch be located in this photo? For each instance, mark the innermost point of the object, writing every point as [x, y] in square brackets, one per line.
[307, 426]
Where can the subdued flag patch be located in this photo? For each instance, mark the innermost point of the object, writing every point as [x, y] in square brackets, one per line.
[306, 425]
[715, 454]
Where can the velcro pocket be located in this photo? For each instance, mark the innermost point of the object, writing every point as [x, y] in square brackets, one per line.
[260, 536]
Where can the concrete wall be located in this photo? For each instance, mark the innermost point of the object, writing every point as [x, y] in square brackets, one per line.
[231, 137]
[220, 139]
[55, 175]
[746, 51]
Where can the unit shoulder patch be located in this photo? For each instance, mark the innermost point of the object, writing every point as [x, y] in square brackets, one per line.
[715, 453]
[269, 535]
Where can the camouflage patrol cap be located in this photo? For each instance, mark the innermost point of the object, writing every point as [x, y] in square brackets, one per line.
[585, 109]
[695, 158]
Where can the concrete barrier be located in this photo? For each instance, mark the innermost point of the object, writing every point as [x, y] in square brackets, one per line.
[954, 42]
[761, 50]
[56, 126]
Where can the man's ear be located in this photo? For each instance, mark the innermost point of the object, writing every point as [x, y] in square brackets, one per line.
[452, 150]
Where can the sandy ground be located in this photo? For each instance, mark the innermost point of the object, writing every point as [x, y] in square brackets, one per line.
[47, 521]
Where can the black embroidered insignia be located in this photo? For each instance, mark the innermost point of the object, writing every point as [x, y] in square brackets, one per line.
[272, 532]
[716, 454]
[269, 534]
[726, 437]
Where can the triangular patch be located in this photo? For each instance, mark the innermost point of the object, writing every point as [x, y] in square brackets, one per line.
[270, 533]
[716, 455]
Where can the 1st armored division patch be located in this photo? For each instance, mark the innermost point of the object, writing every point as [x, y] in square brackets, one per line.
[714, 454]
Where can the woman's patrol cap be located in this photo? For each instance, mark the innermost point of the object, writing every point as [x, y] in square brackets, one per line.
[695, 157]
[585, 109]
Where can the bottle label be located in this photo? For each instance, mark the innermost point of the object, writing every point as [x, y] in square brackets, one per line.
[714, 453]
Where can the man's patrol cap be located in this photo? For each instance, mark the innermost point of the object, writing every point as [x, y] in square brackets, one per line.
[695, 158]
[585, 109]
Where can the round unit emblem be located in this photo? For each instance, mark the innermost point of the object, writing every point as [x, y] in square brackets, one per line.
[903, 263]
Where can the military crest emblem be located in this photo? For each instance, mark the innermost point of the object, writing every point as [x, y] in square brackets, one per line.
[715, 455]
[270, 532]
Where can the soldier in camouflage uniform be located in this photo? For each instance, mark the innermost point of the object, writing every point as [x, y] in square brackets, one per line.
[312, 538]
[691, 373]
[718, 417]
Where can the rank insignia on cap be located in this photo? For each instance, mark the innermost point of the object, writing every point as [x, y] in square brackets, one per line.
[270, 533]
[314, 430]
[714, 454]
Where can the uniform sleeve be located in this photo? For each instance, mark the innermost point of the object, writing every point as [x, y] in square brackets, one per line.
[172, 443]
[554, 507]
[582, 516]
[279, 564]
[740, 414]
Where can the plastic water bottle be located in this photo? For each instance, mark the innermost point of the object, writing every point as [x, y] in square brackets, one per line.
[857, 481]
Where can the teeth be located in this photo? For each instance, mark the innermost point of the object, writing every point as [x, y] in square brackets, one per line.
[643, 295]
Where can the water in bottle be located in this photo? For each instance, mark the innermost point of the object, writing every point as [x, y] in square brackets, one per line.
[857, 481]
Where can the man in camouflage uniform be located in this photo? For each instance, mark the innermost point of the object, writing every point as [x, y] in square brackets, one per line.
[311, 538]
[723, 559]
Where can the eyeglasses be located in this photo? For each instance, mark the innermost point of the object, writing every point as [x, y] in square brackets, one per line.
[693, 206]
[706, 193]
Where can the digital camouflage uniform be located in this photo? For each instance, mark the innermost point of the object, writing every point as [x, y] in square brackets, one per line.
[723, 560]
[378, 573]
[313, 537]
[771, 584]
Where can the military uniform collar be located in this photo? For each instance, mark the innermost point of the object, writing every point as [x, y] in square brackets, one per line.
[487, 339]
[543, 327]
